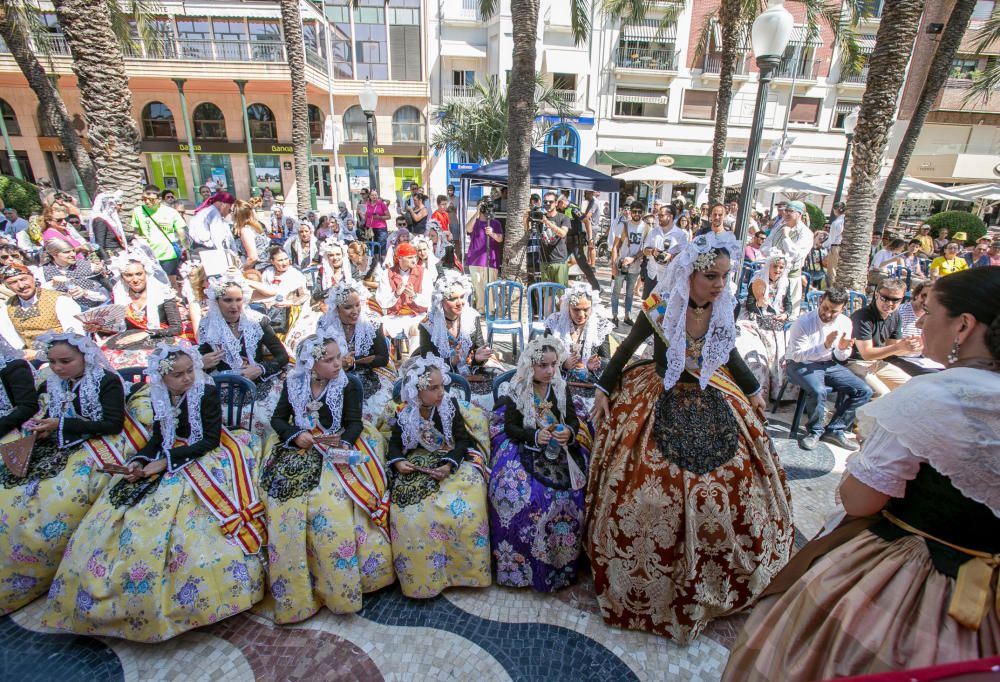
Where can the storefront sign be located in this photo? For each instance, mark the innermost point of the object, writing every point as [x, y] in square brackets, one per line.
[219, 147]
[384, 150]
[53, 144]
[665, 161]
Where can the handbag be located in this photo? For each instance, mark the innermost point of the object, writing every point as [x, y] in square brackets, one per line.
[175, 245]
[278, 316]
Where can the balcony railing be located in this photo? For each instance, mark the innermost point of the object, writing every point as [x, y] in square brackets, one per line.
[459, 91]
[803, 69]
[857, 78]
[869, 8]
[647, 59]
[211, 50]
[51, 43]
[568, 97]
[713, 64]
[315, 60]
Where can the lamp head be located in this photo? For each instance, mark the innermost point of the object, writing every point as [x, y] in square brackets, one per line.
[772, 30]
[851, 122]
[368, 99]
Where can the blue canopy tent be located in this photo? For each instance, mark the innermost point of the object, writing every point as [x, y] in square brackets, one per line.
[546, 171]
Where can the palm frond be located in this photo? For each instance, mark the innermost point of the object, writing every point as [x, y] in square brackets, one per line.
[142, 14]
[580, 19]
[639, 10]
[705, 35]
[988, 33]
[488, 8]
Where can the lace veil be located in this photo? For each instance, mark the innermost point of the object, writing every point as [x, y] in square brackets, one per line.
[309, 351]
[214, 330]
[520, 388]
[597, 327]
[366, 328]
[60, 393]
[158, 287]
[160, 363]
[414, 373]
[436, 324]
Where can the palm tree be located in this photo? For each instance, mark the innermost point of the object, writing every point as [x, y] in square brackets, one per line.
[99, 66]
[886, 73]
[291, 23]
[986, 85]
[478, 126]
[16, 24]
[937, 74]
[735, 19]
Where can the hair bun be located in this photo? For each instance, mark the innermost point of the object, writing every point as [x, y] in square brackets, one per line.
[993, 338]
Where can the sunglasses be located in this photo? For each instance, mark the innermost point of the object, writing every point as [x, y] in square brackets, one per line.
[548, 203]
[57, 220]
[888, 299]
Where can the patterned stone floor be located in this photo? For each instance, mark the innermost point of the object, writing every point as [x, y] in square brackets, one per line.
[493, 634]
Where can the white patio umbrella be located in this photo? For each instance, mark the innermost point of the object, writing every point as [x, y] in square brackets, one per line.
[796, 183]
[912, 188]
[989, 191]
[656, 175]
[733, 178]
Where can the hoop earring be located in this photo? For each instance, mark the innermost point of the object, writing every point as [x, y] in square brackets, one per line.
[953, 355]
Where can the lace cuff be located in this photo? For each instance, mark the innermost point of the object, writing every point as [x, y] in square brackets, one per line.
[883, 464]
[290, 442]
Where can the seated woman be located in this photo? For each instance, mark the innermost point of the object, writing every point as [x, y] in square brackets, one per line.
[438, 521]
[452, 332]
[364, 268]
[688, 511]
[341, 549]
[536, 494]
[585, 331]
[151, 315]
[78, 278]
[404, 292]
[426, 257]
[302, 247]
[333, 269]
[908, 578]
[282, 289]
[240, 340]
[173, 544]
[367, 352]
[764, 314]
[249, 236]
[79, 430]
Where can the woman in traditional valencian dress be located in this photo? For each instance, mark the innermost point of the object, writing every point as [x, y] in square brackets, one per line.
[688, 512]
[235, 338]
[536, 496]
[79, 432]
[173, 544]
[585, 331]
[452, 331]
[328, 522]
[764, 315]
[438, 522]
[367, 353]
[908, 578]
[152, 314]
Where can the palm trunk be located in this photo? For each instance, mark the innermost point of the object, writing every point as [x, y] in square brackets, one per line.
[107, 101]
[729, 16]
[520, 123]
[291, 23]
[937, 75]
[52, 106]
[893, 47]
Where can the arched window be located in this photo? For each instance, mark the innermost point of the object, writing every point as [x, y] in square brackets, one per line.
[209, 122]
[158, 122]
[9, 119]
[407, 125]
[316, 120]
[262, 123]
[354, 125]
[563, 141]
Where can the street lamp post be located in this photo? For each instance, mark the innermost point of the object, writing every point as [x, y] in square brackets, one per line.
[369, 100]
[769, 36]
[251, 162]
[849, 123]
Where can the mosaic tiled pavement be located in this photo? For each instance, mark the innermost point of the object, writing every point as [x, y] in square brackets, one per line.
[487, 634]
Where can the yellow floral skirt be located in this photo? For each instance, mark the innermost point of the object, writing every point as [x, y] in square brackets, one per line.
[38, 514]
[323, 547]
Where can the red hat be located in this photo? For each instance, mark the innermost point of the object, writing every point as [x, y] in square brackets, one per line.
[405, 250]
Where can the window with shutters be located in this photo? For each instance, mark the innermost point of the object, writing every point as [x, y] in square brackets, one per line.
[405, 48]
[641, 103]
[355, 125]
[841, 111]
[316, 122]
[371, 43]
[407, 125]
[984, 10]
[699, 105]
[805, 110]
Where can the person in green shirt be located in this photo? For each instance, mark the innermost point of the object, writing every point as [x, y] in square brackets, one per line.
[162, 227]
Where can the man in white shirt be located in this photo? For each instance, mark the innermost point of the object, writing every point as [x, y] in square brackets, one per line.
[818, 343]
[16, 229]
[662, 243]
[31, 311]
[626, 261]
[833, 242]
[795, 240]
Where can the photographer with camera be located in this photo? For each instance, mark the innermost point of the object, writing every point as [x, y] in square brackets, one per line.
[415, 212]
[555, 226]
[626, 260]
[662, 243]
[580, 238]
[482, 260]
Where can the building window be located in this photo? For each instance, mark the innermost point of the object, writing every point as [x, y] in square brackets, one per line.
[342, 42]
[964, 67]
[404, 39]
[316, 121]
[646, 45]
[563, 141]
[209, 123]
[640, 103]
[158, 122]
[370, 42]
[262, 123]
[984, 10]
[407, 125]
[699, 105]
[266, 44]
[355, 126]
[564, 87]
[805, 110]
[195, 38]
[230, 39]
[9, 119]
[840, 113]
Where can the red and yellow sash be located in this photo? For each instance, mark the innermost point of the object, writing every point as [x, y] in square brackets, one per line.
[364, 483]
[104, 451]
[239, 511]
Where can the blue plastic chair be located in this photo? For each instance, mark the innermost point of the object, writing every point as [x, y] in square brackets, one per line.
[812, 299]
[235, 394]
[499, 381]
[312, 272]
[375, 250]
[500, 311]
[134, 377]
[457, 382]
[543, 300]
[900, 272]
[747, 271]
[856, 301]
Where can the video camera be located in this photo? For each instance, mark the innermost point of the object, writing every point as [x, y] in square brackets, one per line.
[488, 207]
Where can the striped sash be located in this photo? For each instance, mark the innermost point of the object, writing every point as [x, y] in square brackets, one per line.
[364, 483]
[239, 511]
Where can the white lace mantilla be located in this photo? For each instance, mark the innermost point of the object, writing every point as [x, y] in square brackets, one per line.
[159, 395]
[63, 392]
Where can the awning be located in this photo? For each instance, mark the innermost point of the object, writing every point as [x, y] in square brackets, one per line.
[460, 48]
[220, 9]
[649, 30]
[564, 61]
[866, 42]
[640, 159]
[800, 36]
